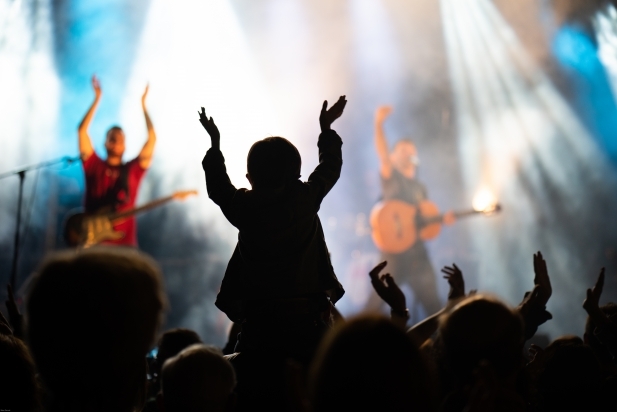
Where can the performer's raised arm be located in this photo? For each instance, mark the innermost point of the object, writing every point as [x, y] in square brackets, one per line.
[85, 144]
[381, 144]
[145, 156]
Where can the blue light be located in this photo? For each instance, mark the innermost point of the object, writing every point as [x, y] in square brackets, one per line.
[94, 37]
[575, 49]
[592, 97]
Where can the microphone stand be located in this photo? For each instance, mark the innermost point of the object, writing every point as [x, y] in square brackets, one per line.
[21, 173]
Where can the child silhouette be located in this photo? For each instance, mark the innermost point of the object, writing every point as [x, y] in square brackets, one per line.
[280, 268]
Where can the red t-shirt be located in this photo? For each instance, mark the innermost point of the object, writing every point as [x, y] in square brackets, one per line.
[101, 192]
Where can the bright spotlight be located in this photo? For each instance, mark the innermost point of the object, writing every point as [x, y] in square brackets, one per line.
[484, 201]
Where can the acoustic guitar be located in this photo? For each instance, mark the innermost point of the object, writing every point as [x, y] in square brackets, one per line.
[396, 225]
[88, 229]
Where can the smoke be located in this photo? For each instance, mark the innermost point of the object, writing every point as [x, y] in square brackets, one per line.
[29, 106]
[518, 136]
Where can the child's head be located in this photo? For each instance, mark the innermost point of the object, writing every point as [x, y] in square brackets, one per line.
[272, 163]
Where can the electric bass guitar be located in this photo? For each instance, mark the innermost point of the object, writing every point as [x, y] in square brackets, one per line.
[396, 225]
[88, 229]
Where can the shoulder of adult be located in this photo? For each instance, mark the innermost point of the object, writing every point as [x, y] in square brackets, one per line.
[91, 160]
[135, 164]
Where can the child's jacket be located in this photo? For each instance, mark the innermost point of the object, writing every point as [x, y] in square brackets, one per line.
[281, 251]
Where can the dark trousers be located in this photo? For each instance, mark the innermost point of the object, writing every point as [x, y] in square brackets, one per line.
[266, 346]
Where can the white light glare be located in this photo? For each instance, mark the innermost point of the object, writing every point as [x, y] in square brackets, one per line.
[484, 200]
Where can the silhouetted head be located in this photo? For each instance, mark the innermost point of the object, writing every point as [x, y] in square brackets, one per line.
[571, 378]
[272, 163]
[482, 328]
[173, 342]
[19, 388]
[91, 318]
[114, 142]
[369, 364]
[198, 379]
[404, 156]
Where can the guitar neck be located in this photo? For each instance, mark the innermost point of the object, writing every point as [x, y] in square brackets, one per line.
[140, 209]
[439, 218]
[465, 213]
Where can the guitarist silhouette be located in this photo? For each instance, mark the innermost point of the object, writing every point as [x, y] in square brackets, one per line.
[398, 177]
[111, 185]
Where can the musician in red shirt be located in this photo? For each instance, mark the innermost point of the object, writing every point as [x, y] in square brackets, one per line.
[110, 183]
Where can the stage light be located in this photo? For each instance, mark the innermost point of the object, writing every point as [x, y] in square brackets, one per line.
[194, 54]
[484, 201]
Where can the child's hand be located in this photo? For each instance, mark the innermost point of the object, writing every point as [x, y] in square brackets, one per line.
[327, 117]
[211, 128]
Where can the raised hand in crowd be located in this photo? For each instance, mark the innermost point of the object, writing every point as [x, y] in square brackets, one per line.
[592, 302]
[389, 292]
[533, 307]
[541, 278]
[605, 328]
[213, 131]
[387, 289]
[328, 116]
[423, 330]
[454, 276]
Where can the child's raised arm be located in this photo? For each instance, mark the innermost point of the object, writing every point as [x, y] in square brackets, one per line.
[220, 188]
[213, 131]
[328, 171]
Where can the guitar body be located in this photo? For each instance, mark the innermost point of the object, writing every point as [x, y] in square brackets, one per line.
[395, 228]
[85, 230]
[396, 225]
[88, 229]
[428, 211]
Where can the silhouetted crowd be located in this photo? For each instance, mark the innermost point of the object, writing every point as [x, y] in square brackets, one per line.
[92, 316]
